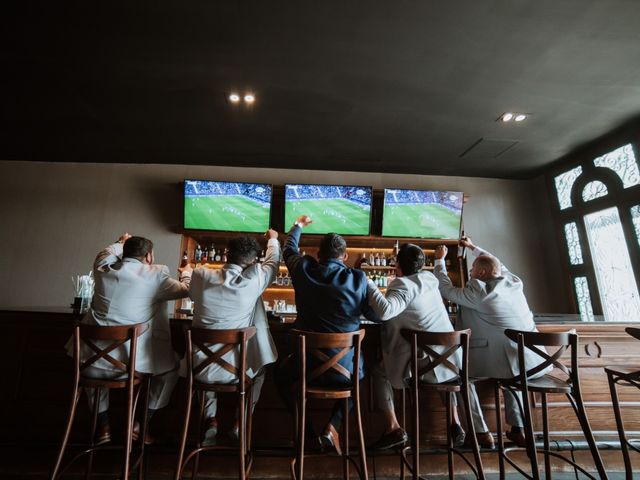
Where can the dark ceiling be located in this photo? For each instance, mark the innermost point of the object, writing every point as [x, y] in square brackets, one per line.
[386, 86]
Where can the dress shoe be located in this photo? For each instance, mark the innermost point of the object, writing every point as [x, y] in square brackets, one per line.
[135, 434]
[457, 434]
[394, 438]
[210, 432]
[330, 439]
[485, 440]
[103, 435]
[516, 435]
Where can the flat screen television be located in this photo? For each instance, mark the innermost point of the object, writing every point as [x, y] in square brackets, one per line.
[343, 209]
[421, 214]
[227, 206]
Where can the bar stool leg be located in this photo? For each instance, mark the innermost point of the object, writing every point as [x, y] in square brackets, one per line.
[586, 428]
[531, 441]
[472, 431]
[620, 426]
[301, 437]
[415, 441]
[499, 429]
[449, 438]
[94, 423]
[363, 454]
[242, 427]
[249, 435]
[545, 434]
[199, 421]
[77, 392]
[345, 436]
[185, 431]
[144, 387]
[404, 427]
[129, 429]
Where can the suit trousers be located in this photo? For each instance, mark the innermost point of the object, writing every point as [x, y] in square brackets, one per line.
[512, 405]
[211, 402]
[160, 390]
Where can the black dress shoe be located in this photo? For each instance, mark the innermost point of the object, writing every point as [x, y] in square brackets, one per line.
[330, 439]
[517, 436]
[395, 438]
[485, 440]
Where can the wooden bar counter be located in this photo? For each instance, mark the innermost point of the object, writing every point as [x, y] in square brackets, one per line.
[37, 378]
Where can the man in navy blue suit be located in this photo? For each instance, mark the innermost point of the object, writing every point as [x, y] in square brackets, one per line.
[330, 298]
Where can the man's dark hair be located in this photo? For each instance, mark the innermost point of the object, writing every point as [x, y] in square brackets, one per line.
[410, 258]
[332, 245]
[242, 250]
[136, 247]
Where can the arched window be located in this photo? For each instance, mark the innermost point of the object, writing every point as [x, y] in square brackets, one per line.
[599, 207]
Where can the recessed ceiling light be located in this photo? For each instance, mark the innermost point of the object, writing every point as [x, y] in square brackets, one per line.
[507, 117]
[234, 98]
[249, 98]
[520, 117]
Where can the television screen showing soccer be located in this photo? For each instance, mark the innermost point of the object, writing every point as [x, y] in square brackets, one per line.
[421, 213]
[341, 209]
[227, 206]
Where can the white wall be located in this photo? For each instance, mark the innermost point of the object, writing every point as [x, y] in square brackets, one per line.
[57, 216]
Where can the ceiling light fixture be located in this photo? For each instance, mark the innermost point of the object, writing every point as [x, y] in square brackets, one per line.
[506, 117]
[520, 117]
[249, 98]
[234, 98]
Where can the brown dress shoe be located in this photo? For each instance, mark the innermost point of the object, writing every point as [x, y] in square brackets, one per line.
[517, 436]
[395, 438]
[135, 434]
[103, 435]
[485, 440]
[330, 439]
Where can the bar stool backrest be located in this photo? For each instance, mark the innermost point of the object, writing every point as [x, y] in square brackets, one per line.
[116, 336]
[225, 341]
[634, 332]
[531, 340]
[313, 343]
[423, 341]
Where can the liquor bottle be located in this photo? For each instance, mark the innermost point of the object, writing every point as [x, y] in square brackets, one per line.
[461, 249]
[377, 259]
[198, 254]
[286, 281]
[224, 256]
[279, 279]
[371, 259]
[212, 253]
[185, 259]
[361, 262]
[205, 255]
[383, 260]
[394, 256]
[218, 257]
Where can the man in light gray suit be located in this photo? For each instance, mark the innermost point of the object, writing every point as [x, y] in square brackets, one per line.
[130, 289]
[492, 301]
[230, 298]
[412, 301]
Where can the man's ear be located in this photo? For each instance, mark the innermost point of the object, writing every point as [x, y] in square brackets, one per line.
[345, 256]
[149, 258]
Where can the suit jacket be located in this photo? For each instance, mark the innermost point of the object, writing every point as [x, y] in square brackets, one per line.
[231, 298]
[128, 291]
[330, 297]
[488, 309]
[412, 302]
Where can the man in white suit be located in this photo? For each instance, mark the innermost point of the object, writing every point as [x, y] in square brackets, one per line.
[412, 301]
[130, 289]
[492, 301]
[231, 298]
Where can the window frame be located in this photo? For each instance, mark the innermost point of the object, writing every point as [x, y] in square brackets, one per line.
[618, 196]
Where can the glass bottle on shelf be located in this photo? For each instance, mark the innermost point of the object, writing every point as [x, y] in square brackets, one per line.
[185, 259]
[286, 280]
[377, 259]
[198, 254]
[205, 255]
[224, 256]
[218, 256]
[371, 259]
[383, 260]
[212, 253]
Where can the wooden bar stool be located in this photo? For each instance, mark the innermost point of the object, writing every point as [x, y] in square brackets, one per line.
[316, 345]
[215, 344]
[124, 377]
[545, 384]
[422, 343]
[628, 377]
